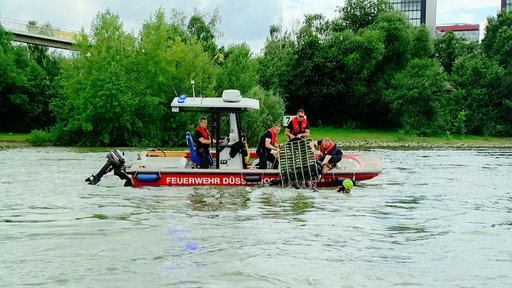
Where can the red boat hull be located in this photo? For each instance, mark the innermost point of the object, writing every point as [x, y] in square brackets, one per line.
[224, 179]
[358, 167]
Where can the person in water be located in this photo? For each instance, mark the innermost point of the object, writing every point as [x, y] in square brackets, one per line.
[203, 142]
[298, 128]
[266, 145]
[346, 186]
[331, 154]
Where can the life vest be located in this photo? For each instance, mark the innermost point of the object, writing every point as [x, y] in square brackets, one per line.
[295, 123]
[204, 132]
[274, 136]
[326, 150]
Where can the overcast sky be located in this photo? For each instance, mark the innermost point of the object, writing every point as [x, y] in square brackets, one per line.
[242, 20]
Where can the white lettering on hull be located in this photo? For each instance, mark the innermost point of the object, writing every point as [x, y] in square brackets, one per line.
[215, 180]
[204, 181]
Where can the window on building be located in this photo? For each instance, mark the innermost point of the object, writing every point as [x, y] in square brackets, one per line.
[412, 9]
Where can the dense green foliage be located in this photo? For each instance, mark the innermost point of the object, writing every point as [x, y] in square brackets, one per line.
[369, 68]
[365, 68]
[423, 95]
[27, 85]
[116, 88]
[271, 112]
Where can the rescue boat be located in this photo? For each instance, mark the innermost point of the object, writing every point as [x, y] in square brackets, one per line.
[233, 164]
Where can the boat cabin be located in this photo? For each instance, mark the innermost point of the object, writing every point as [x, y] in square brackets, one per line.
[228, 149]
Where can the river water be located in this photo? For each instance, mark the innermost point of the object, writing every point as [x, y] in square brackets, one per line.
[433, 218]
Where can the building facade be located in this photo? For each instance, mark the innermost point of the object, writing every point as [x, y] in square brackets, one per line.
[506, 4]
[419, 12]
[471, 32]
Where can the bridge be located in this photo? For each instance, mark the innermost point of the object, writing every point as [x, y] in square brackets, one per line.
[40, 35]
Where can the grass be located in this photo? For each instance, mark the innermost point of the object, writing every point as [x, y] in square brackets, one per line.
[15, 137]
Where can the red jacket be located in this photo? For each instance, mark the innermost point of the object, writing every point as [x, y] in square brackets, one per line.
[295, 124]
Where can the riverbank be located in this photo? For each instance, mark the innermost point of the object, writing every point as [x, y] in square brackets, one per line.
[415, 145]
[13, 140]
[351, 139]
[374, 139]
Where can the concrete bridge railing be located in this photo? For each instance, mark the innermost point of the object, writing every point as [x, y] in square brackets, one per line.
[24, 30]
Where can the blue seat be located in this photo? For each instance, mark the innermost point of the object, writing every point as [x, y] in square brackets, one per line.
[193, 156]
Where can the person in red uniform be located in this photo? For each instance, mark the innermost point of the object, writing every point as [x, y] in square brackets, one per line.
[298, 128]
[266, 145]
[203, 142]
[331, 154]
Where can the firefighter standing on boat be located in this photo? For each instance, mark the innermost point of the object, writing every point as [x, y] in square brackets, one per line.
[267, 144]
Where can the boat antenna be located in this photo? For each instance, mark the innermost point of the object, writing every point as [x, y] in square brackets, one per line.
[176, 93]
[193, 91]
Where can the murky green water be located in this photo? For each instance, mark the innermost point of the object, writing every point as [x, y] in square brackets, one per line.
[434, 218]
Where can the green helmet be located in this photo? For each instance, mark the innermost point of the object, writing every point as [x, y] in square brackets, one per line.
[348, 184]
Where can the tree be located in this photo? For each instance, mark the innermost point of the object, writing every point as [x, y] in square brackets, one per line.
[359, 14]
[331, 80]
[205, 30]
[314, 25]
[96, 107]
[20, 80]
[189, 62]
[339, 74]
[497, 43]
[47, 88]
[397, 35]
[448, 49]
[305, 83]
[239, 70]
[422, 45]
[258, 121]
[483, 90]
[417, 98]
[276, 63]
[117, 91]
[157, 78]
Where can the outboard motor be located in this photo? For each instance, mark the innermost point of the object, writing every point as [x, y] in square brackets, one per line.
[115, 161]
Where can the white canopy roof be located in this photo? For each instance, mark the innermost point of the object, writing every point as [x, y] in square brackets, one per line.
[244, 103]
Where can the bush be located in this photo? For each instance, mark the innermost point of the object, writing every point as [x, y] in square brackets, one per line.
[257, 122]
[41, 138]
